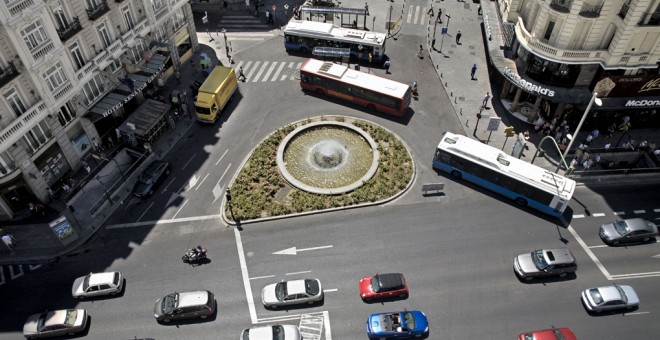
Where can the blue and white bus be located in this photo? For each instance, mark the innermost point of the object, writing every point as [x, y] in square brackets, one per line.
[489, 167]
[302, 36]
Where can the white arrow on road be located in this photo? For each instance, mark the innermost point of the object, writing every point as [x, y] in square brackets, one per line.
[294, 250]
[656, 256]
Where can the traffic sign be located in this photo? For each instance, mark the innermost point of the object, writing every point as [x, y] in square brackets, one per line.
[286, 6]
[493, 123]
[443, 30]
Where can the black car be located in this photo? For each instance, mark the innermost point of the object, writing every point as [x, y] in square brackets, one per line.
[151, 178]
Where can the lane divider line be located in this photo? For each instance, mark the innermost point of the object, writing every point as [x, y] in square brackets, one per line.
[261, 277]
[296, 273]
[590, 253]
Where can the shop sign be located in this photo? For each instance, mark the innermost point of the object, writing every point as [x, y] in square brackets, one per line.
[525, 85]
[642, 103]
[629, 86]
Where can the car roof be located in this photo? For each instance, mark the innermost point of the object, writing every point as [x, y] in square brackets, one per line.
[637, 224]
[55, 317]
[266, 332]
[187, 299]
[558, 255]
[391, 280]
[101, 278]
[295, 287]
[550, 334]
[609, 293]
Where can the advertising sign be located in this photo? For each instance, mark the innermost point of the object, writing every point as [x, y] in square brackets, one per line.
[63, 230]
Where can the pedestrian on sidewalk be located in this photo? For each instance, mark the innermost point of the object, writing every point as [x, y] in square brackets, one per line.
[9, 240]
[86, 167]
[147, 147]
[458, 37]
[440, 15]
[486, 98]
[387, 66]
[178, 76]
[420, 53]
[241, 75]
[267, 17]
[474, 70]
[366, 8]
[171, 123]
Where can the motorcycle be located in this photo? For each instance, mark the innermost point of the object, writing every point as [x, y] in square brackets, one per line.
[194, 255]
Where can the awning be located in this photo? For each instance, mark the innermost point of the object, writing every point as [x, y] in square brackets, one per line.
[337, 10]
[128, 88]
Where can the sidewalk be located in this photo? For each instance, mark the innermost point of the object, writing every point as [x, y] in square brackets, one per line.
[36, 241]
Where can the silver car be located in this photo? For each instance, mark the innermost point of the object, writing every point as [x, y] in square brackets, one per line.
[544, 262]
[292, 293]
[630, 230]
[97, 284]
[55, 323]
[610, 297]
[274, 332]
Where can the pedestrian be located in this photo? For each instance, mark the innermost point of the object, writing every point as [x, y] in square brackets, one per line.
[97, 144]
[9, 241]
[440, 15]
[420, 53]
[366, 8]
[267, 17]
[110, 142]
[595, 133]
[596, 160]
[241, 75]
[178, 76]
[387, 66]
[458, 37]
[486, 98]
[171, 122]
[66, 188]
[474, 70]
[192, 65]
[587, 164]
[147, 147]
[86, 167]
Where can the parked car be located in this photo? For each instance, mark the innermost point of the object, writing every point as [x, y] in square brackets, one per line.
[397, 325]
[97, 284]
[55, 323]
[609, 298]
[382, 286]
[186, 305]
[274, 332]
[151, 178]
[549, 334]
[292, 293]
[630, 230]
[544, 262]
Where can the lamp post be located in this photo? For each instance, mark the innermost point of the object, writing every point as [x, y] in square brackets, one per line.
[389, 22]
[577, 129]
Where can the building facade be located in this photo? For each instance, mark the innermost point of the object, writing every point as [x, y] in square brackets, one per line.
[70, 73]
[552, 54]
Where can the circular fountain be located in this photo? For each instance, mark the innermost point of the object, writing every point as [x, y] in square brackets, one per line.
[327, 157]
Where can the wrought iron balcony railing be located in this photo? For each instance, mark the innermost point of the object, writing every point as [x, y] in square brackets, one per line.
[563, 6]
[8, 74]
[98, 11]
[70, 31]
[650, 19]
[590, 11]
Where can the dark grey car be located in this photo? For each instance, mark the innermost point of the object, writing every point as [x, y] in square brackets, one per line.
[630, 230]
[544, 262]
[186, 305]
[151, 178]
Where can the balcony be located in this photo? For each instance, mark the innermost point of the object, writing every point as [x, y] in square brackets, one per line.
[590, 11]
[650, 19]
[98, 12]
[20, 126]
[563, 6]
[624, 11]
[41, 51]
[70, 31]
[8, 74]
[16, 7]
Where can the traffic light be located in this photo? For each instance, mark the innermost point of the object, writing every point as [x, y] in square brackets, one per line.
[509, 132]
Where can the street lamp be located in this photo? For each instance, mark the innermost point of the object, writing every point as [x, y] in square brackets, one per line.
[577, 129]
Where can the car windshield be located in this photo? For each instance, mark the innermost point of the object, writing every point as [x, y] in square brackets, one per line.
[311, 287]
[278, 332]
[375, 283]
[169, 303]
[146, 179]
[539, 259]
[621, 227]
[595, 295]
[71, 316]
[41, 321]
[409, 320]
[86, 282]
[624, 298]
[280, 290]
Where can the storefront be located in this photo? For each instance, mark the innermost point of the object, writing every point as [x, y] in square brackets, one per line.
[52, 164]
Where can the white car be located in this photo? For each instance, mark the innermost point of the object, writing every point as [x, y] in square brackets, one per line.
[97, 284]
[610, 297]
[274, 332]
[292, 293]
[55, 323]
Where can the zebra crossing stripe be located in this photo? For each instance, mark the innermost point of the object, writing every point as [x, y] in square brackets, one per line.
[277, 73]
[13, 275]
[410, 12]
[263, 67]
[270, 70]
[295, 71]
[251, 70]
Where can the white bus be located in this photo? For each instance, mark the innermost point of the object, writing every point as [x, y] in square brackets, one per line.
[302, 36]
[489, 167]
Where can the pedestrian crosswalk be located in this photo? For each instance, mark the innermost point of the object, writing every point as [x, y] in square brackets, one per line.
[268, 71]
[12, 272]
[311, 326]
[417, 15]
[245, 27]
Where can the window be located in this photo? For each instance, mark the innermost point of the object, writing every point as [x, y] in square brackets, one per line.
[548, 30]
[60, 18]
[36, 137]
[66, 114]
[128, 17]
[178, 19]
[15, 102]
[104, 34]
[157, 4]
[34, 35]
[76, 54]
[7, 164]
[92, 4]
[93, 89]
[55, 77]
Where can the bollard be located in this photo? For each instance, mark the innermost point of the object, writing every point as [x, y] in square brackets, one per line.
[461, 112]
[455, 100]
[467, 123]
[451, 94]
[445, 84]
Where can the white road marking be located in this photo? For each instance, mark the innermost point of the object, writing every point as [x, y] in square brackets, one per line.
[330, 290]
[246, 277]
[192, 182]
[278, 318]
[172, 198]
[35, 266]
[270, 70]
[181, 207]
[618, 213]
[601, 246]
[636, 313]
[13, 275]
[217, 192]
[261, 70]
[656, 210]
[161, 222]
[635, 275]
[296, 273]
[326, 324]
[578, 216]
[200, 183]
[294, 250]
[262, 277]
[168, 185]
[251, 71]
[640, 211]
[145, 210]
[590, 253]
[190, 160]
[221, 157]
[598, 215]
[277, 73]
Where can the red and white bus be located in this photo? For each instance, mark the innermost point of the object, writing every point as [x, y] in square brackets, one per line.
[361, 88]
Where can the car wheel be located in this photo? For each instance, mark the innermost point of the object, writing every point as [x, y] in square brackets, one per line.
[456, 174]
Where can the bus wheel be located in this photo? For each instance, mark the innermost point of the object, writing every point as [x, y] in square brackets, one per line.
[371, 107]
[319, 92]
[521, 201]
[456, 174]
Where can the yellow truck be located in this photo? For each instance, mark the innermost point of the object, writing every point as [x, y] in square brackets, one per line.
[215, 93]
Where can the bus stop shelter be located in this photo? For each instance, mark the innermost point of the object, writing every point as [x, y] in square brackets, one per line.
[350, 14]
[343, 54]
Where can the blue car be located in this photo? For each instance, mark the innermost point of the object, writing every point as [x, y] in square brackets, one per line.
[397, 325]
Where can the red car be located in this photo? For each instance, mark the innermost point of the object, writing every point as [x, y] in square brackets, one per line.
[382, 286]
[549, 334]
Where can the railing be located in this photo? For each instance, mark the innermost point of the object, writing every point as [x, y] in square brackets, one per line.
[85, 70]
[8, 74]
[563, 6]
[623, 11]
[62, 91]
[41, 51]
[650, 19]
[70, 31]
[590, 11]
[19, 127]
[18, 6]
[97, 12]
